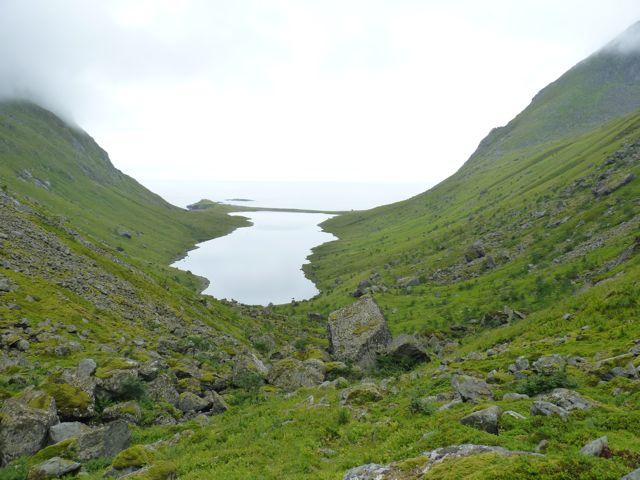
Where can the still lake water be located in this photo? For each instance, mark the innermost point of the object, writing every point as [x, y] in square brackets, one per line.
[260, 264]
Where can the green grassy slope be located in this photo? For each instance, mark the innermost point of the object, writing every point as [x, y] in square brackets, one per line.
[65, 171]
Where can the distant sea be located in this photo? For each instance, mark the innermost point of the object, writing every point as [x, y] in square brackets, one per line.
[303, 195]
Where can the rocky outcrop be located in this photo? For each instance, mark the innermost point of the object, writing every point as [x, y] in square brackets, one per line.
[358, 332]
[25, 423]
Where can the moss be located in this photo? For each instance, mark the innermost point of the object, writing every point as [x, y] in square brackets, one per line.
[113, 364]
[161, 471]
[41, 401]
[65, 449]
[136, 456]
[69, 399]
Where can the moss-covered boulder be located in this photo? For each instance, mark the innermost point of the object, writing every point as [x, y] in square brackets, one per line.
[55, 467]
[358, 332]
[24, 424]
[291, 373]
[129, 411]
[361, 394]
[72, 402]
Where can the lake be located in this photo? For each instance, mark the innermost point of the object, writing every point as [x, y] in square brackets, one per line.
[260, 264]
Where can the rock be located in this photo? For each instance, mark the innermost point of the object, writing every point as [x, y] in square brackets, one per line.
[408, 282]
[567, 399]
[130, 412]
[358, 332]
[596, 448]
[248, 365]
[5, 285]
[86, 368]
[190, 402]
[371, 471]
[627, 372]
[486, 419]
[470, 388]
[216, 403]
[635, 475]
[55, 467]
[163, 389]
[151, 369]
[65, 430]
[105, 441]
[360, 394]
[72, 401]
[22, 345]
[547, 409]
[119, 380]
[549, 364]
[24, 424]
[407, 350]
[291, 374]
[512, 414]
[475, 251]
[514, 396]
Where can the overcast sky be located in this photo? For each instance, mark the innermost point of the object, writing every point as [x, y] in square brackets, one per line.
[374, 90]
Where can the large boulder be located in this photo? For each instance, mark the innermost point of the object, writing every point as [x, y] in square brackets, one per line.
[190, 403]
[248, 368]
[486, 419]
[66, 430]
[358, 332]
[55, 467]
[470, 389]
[596, 447]
[105, 441]
[163, 389]
[24, 424]
[361, 394]
[291, 373]
[407, 350]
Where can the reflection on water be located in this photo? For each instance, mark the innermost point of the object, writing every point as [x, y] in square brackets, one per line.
[260, 264]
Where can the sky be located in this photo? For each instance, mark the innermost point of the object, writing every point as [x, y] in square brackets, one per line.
[294, 90]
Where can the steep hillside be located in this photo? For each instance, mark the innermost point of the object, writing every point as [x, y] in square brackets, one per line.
[65, 171]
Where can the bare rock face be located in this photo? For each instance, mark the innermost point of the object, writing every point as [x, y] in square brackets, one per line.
[358, 332]
[24, 424]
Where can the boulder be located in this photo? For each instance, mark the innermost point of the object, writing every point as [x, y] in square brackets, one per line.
[475, 251]
[248, 366]
[596, 447]
[55, 467]
[361, 394]
[547, 409]
[72, 401]
[118, 381]
[216, 402]
[470, 389]
[130, 412]
[635, 475]
[86, 368]
[486, 419]
[549, 364]
[190, 403]
[105, 441]
[291, 374]
[371, 471]
[24, 424]
[65, 430]
[163, 389]
[358, 332]
[407, 350]
[567, 399]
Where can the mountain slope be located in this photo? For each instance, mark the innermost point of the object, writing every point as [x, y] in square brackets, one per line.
[63, 169]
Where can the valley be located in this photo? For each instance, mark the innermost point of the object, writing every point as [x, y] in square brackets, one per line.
[486, 328]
